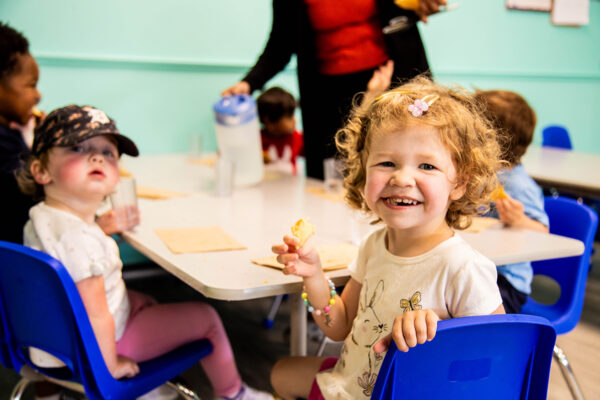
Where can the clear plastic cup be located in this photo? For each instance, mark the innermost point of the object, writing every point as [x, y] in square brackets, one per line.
[196, 145]
[125, 205]
[332, 171]
[224, 176]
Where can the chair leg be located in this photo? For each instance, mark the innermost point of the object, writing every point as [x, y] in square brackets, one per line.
[17, 392]
[188, 394]
[322, 346]
[567, 372]
[270, 319]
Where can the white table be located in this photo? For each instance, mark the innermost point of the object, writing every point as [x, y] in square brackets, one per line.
[566, 170]
[259, 216]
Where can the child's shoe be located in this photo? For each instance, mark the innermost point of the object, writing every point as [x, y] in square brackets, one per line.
[248, 393]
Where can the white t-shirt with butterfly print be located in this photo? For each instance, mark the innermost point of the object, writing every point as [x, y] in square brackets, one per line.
[453, 280]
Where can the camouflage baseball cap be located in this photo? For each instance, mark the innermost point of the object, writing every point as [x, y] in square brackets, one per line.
[73, 124]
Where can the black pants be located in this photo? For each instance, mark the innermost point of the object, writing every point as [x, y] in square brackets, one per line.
[512, 299]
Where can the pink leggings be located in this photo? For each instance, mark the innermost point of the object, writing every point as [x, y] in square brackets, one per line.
[154, 329]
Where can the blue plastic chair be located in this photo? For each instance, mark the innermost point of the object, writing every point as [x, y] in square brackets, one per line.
[41, 307]
[556, 136]
[503, 356]
[578, 221]
[4, 352]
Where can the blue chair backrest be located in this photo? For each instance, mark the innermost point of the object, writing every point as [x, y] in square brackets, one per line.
[556, 136]
[41, 307]
[4, 352]
[487, 357]
[578, 221]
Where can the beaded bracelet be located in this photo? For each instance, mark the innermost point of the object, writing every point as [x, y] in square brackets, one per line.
[327, 308]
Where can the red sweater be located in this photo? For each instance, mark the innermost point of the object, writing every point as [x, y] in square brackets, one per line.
[348, 35]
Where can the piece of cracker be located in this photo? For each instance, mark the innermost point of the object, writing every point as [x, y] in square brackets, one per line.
[124, 173]
[498, 193]
[303, 229]
[198, 239]
[480, 223]
[146, 192]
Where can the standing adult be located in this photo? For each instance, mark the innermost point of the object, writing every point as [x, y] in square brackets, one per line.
[338, 47]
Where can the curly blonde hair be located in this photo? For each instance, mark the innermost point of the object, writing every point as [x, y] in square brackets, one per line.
[464, 131]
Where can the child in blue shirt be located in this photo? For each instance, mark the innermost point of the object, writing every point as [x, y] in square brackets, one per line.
[523, 205]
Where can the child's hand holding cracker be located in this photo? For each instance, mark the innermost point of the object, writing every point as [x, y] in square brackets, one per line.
[297, 258]
[512, 213]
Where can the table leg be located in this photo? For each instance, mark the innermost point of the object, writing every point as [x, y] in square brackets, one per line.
[297, 325]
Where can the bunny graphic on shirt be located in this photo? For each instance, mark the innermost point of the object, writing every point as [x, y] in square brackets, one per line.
[367, 331]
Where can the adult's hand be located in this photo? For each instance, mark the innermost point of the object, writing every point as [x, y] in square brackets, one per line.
[241, 87]
[422, 8]
[428, 7]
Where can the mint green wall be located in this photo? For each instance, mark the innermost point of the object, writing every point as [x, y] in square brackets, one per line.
[557, 69]
[157, 67]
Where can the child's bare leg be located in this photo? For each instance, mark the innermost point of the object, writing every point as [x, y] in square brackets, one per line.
[292, 377]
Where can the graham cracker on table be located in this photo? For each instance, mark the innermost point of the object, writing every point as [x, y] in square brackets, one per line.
[321, 192]
[481, 223]
[198, 239]
[209, 161]
[146, 192]
[335, 256]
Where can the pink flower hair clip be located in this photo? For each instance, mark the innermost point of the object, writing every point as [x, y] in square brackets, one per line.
[421, 106]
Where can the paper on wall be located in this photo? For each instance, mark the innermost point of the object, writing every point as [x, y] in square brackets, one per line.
[534, 5]
[570, 12]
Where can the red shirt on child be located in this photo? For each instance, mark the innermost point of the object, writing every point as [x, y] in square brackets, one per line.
[294, 141]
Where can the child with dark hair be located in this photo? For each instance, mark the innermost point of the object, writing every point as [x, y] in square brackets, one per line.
[522, 204]
[19, 74]
[280, 139]
[19, 96]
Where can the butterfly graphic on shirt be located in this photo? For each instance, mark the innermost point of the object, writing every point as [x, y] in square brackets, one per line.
[412, 303]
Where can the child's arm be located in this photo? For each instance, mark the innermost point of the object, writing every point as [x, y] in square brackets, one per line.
[93, 296]
[305, 262]
[412, 328]
[511, 212]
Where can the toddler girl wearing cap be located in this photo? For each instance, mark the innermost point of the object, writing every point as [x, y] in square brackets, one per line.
[73, 166]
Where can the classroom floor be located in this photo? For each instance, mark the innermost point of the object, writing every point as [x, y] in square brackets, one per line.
[256, 349]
